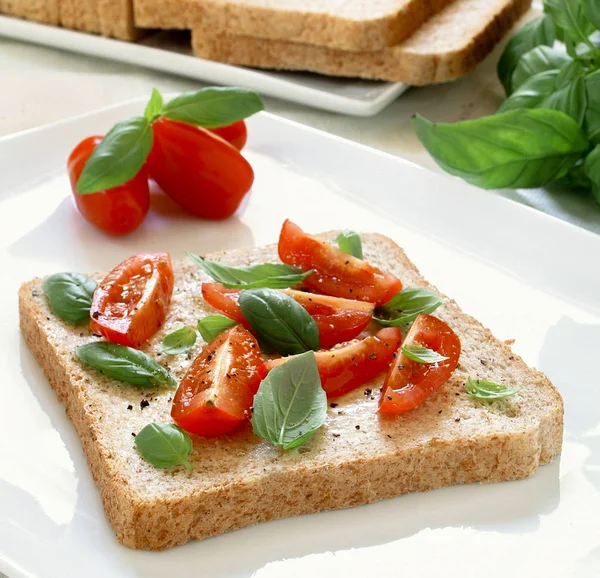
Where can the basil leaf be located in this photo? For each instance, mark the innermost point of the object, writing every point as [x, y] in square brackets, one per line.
[592, 170]
[591, 10]
[568, 16]
[539, 59]
[532, 92]
[118, 158]
[349, 242]
[576, 178]
[213, 107]
[290, 404]
[568, 73]
[179, 341]
[279, 321]
[422, 354]
[212, 326]
[488, 390]
[406, 305]
[540, 30]
[165, 445]
[154, 106]
[519, 148]
[125, 364]
[592, 115]
[70, 295]
[273, 275]
[572, 100]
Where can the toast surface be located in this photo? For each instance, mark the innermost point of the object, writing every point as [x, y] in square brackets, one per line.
[43, 11]
[80, 15]
[357, 457]
[448, 46]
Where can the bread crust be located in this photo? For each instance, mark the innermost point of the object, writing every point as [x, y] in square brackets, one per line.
[239, 480]
[447, 46]
[44, 11]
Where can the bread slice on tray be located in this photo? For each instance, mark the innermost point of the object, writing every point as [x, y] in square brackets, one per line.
[116, 19]
[44, 11]
[357, 457]
[80, 15]
[448, 46]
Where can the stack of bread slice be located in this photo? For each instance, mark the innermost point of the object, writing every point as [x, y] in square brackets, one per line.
[414, 41]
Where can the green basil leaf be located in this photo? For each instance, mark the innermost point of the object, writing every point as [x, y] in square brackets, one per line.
[118, 158]
[273, 275]
[349, 242]
[406, 305]
[212, 326]
[290, 404]
[568, 73]
[539, 31]
[70, 296]
[572, 100]
[568, 15]
[488, 390]
[592, 116]
[279, 321]
[213, 107]
[591, 10]
[576, 178]
[422, 354]
[125, 364]
[532, 92]
[519, 148]
[165, 445]
[154, 106]
[179, 341]
[539, 59]
[592, 170]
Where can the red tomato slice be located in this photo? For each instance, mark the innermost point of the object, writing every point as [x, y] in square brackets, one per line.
[130, 304]
[336, 272]
[347, 368]
[235, 134]
[409, 383]
[338, 320]
[216, 394]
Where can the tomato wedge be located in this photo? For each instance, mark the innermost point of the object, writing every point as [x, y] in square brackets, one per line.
[216, 394]
[409, 383]
[336, 272]
[338, 320]
[130, 304]
[235, 134]
[347, 368]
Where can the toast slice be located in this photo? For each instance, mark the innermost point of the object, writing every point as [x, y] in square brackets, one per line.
[80, 15]
[357, 457]
[116, 19]
[448, 46]
[355, 25]
[44, 11]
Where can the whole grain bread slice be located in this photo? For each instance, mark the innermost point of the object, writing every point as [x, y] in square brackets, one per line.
[239, 480]
[44, 11]
[355, 25]
[116, 19]
[448, 46]
[80, 15]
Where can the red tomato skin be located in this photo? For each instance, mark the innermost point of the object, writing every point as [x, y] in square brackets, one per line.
[115, 211]
[200, 171]
[336, 272]
[408, 383]
[338, 320]
[344, 369]
[147, 279]
[208, 403]
[235, 134]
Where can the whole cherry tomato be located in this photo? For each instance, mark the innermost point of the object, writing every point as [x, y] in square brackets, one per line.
[116, 211]
[200, 171]
[235, 134]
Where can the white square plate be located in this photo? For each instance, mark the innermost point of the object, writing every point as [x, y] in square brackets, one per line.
[171, 52]
[523, 274]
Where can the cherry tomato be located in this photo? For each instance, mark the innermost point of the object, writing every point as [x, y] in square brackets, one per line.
[131, 302]
[336, 272]
[216, 394]
[235, 134]
[338, 320]
[347, 368]
[409, 383]
[115, 211]
[200, 171]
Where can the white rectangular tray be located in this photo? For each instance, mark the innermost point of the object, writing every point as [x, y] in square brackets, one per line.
[171, 52]
[525, 275]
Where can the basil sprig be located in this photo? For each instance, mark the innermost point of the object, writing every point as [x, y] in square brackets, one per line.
[272, 275]
[290, 404]
[179, 341]
[539, 59]
[125, 364]
[485, 390]
[406, 305]
[422, 354]
[165, 445]
[592, 170]
[154, 106]
[70, 296]
[350, 242]
[212, 326]
[280, 322]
